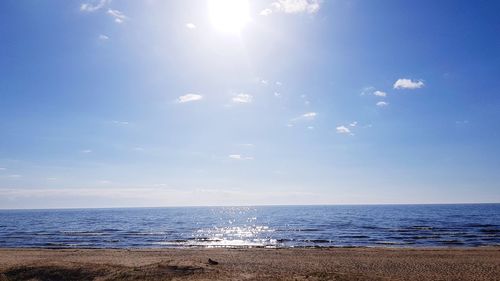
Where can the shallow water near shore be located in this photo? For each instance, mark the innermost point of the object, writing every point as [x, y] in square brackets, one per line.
[457, 225]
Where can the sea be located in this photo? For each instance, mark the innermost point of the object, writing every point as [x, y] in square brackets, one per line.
[464, 225]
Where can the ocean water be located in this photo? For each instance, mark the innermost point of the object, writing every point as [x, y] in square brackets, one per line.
[277, 226]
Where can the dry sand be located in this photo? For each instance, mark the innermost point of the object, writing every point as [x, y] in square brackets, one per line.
[251, 264]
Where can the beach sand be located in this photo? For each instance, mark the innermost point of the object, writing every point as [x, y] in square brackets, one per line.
[251, 264]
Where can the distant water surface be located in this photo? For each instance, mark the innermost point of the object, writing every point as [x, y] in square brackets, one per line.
[277, 226]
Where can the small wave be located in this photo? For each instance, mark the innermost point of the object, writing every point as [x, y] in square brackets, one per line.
[451, 242]
[421, 227]
[389, 243]
[83, 233]
[354, 236]
[489, 230]
[319, 241]
[480, 225]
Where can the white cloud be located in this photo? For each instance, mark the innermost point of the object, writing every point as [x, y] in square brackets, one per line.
[380, 94]
[266, 12]
[404, 83]
[2, 169]
[189, 98]
[343, 130]
[276, 94]
[103, 37]
[117, 15]
[297, 6]
[242, 98]
[265, 82]
[86, 151]
[353, 124]
[278, 83]
[190, 25]
[310, 127]
[382, 104]
[93, 5]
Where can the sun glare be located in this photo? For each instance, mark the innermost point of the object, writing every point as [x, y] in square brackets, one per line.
[228, 15]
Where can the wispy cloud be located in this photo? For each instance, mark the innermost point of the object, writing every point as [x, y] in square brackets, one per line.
[343, 130]
[103, 37]
[380, 94]
[93, 6]
[3, 169]
[121, 123]
[404, 83]
[242, 98]
[461, 122]
[296, 6]
[266, 12]
[190, 25]
[382, 104]
[353, 124]
[247, 144]
[305, 116]
[117, 15]
[189, 98]
[239, 157]
[86, 151]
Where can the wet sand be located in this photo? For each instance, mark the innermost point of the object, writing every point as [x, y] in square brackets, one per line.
[251, 264]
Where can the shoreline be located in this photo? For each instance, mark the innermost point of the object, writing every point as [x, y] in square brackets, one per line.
[199, 247]
[338, 263]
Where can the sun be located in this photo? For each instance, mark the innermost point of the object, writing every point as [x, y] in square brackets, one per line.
[229, 15]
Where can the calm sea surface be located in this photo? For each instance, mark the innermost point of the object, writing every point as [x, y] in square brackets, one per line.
[283, 226]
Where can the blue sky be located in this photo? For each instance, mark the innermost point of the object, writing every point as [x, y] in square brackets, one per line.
[163, 103]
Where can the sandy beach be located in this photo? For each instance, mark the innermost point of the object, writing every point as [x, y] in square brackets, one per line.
[251, 264]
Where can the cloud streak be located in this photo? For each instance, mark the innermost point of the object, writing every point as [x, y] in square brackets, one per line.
[93, 5]
[189, 98]
[117, 15]
[306, 117]
[239, 157]
[242, 98]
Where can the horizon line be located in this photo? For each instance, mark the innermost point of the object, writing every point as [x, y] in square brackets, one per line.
[241, 206]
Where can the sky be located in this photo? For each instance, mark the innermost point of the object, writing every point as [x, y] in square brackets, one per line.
[122, 103]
